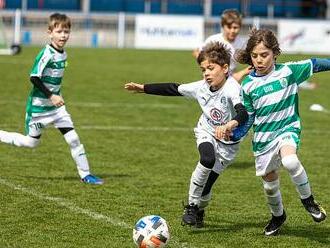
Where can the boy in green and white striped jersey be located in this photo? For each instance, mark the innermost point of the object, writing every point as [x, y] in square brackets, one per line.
[270, 94]
[45, 104]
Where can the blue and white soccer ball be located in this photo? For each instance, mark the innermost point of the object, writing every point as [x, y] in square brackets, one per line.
[151, 232]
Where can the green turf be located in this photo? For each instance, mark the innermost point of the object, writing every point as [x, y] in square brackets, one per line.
[146, 167]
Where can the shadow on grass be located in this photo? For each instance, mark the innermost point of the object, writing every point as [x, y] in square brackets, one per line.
[241, 165]
[316, 232]
[227, 226]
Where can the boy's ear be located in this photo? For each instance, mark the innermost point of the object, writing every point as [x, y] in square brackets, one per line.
[225, 68]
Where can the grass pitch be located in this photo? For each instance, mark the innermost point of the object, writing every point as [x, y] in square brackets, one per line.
[143, 147]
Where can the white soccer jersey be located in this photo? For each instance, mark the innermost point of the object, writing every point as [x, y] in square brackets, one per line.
[217, 107]
[49, 66]
[238, 43]
[273, 99]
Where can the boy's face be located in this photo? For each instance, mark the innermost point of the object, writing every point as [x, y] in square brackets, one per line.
[214, 74]
[59, 36]
[231, 31]
[263, 59]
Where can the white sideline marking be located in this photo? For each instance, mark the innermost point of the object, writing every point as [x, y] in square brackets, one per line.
[23, 62]
[65, 203]
[154, 129]
[76, 209]
[130, 128]
[111, 105]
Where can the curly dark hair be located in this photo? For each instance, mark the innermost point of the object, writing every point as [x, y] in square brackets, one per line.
[215, 52]
[257, 36]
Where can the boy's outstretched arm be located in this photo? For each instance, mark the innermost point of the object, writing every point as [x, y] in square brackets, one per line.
[163, 89]
[320, 64]
[134, 87]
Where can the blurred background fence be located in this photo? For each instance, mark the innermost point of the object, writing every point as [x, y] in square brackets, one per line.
[112, 23]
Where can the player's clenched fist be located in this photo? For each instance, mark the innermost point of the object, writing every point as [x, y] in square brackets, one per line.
[57, 100]
[222, 133]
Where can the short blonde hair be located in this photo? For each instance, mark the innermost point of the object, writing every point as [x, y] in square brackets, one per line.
[58, 19]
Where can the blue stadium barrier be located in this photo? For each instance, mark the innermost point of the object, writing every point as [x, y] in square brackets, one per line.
[95, 40]
[72, 5]
[107, 5]
[282, 8]
[218, 7]
[26, 38]
[185, 7]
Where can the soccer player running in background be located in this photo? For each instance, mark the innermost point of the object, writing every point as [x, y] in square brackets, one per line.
[270, 94]
[219, 98]
[45, 104]
[231, 23]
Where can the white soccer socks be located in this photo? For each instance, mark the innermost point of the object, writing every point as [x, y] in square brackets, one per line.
[18, 139]
[78, 153]
[298, 175]
[197, 182]
[274, 198]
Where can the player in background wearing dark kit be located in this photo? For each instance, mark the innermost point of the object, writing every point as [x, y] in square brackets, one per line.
[219, 98]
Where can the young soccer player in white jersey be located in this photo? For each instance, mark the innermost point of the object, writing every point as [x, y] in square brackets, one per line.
[270, 94]
[45, 104]
[231, 22]
[218, 97]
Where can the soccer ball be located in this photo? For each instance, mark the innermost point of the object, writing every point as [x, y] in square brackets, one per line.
[151, 232]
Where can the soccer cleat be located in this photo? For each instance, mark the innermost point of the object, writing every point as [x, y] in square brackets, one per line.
[91, 179]
[200, 218]
[190, 215]
[274, 225]
[314, 209]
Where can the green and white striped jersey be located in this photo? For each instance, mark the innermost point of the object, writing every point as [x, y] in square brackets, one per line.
[273, 99]
[49, 66]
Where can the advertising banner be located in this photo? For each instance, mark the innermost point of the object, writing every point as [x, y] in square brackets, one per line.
[169, 31]
[300, 36]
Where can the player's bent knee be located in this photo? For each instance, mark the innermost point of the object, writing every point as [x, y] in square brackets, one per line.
[207, 155]
[292, 164]
[271, 188]
[207, 161]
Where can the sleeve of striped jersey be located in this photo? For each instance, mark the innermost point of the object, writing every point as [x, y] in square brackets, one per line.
[40, 63]
[190, 90]
[301, 70]
[320, 64]
[247, 102]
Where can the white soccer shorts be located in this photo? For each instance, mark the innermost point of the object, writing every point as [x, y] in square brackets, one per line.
[224, 154]
[271, 160]
[60, 119]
